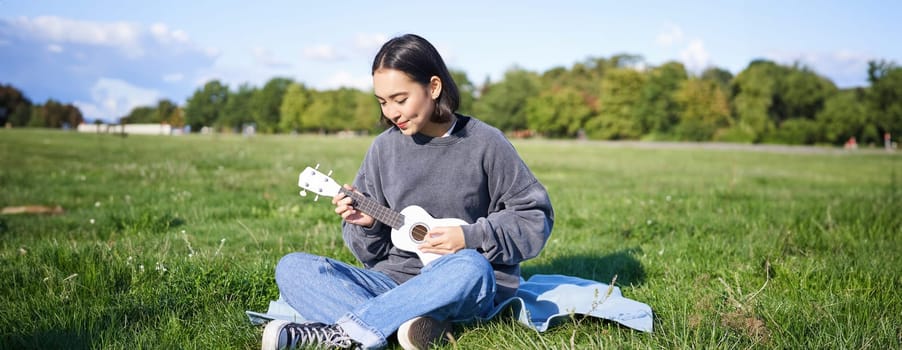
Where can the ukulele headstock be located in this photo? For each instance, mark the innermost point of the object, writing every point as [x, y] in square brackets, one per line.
[314, 181]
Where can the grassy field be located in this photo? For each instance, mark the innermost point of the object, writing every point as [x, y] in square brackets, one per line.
[165, 241]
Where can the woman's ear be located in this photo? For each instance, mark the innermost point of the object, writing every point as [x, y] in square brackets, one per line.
[435, 87]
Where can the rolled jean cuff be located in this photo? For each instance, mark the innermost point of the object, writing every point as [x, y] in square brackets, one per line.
[368, 337]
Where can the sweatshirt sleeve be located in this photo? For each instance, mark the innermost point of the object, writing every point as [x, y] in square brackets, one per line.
[521, 218]
[369, 245]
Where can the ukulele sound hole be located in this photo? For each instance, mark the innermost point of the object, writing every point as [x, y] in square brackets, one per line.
[418, 233]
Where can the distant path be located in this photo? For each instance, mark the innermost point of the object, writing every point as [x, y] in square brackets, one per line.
[739, 147]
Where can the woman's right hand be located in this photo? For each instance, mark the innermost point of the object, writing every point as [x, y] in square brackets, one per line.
[344, 208]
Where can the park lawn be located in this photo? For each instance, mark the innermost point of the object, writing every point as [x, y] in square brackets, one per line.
[165, 241]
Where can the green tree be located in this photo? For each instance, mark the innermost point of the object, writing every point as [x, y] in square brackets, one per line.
[621, 90]
[884, 98]
[331, 110]
[703, 109]
[797, 131]
[844, 115]
[266, 103]
[719, 76]
[586, 76]
[177, 117]
[15, 108]
[366, 113]
[164, 112]
[205, 106]
[314, 118]
[53, 114]
[559, 77]
[657, 110]
[754, 90]
[237, 109]
[168, 112]
[294, 104]
[466, 89]
[766, 95]
[140, 114]
[557, 113]
[345, 108]
[801, 94]
[503, 104]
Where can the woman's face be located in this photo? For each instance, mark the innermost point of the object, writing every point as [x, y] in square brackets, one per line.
[406, 103]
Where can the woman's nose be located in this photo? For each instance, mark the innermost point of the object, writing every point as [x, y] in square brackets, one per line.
[392, 113]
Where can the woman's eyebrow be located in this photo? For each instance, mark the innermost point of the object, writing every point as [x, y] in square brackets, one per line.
[392, 95]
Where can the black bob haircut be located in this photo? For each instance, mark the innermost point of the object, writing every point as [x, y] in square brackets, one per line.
[416, 57]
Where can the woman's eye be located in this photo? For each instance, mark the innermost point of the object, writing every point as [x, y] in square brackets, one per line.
[401, 102]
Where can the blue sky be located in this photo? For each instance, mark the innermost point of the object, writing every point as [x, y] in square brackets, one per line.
[110, 56]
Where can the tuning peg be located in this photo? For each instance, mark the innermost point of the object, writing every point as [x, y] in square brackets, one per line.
[330, 173]
[316, 198]
[316, 167]
[303, 193]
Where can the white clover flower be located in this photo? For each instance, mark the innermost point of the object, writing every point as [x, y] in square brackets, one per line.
[667, 198]
[92, 221]
[97, 204]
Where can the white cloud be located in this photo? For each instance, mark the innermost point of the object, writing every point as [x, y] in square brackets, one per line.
[322, 53]
[173, 77]
[107, 67]
[130, 38]
[266, 58]
[114, 98]
[671, 36]
[694, 56]
[369, 42]
[345, 79]
[844, 67]
[122, 35]
[162, 34]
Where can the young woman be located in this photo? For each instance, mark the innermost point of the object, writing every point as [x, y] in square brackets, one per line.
[451, 165]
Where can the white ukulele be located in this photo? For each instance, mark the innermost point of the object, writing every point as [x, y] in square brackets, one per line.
[409, 227]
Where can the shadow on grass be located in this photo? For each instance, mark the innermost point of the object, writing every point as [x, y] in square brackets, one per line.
[600, 267]
[48, 339]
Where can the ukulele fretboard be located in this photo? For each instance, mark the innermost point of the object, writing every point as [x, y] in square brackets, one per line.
[376, 210]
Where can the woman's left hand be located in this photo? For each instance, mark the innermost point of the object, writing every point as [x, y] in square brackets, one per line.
[443, 240]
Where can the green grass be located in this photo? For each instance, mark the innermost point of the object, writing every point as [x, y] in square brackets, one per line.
[166, 241]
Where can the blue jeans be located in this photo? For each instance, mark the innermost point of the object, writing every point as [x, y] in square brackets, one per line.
[370, 306]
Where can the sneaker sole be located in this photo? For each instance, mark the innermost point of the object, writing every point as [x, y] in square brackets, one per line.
[271, 334]
[422, 325]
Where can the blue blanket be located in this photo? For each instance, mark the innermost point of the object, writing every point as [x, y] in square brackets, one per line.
[541, 302]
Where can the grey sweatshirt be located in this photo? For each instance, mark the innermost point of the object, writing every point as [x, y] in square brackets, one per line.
[475, 175]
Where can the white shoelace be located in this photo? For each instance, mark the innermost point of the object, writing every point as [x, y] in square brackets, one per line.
[317, 334]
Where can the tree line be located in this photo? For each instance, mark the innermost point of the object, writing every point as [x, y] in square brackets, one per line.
[18, 111]
[614, 98]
